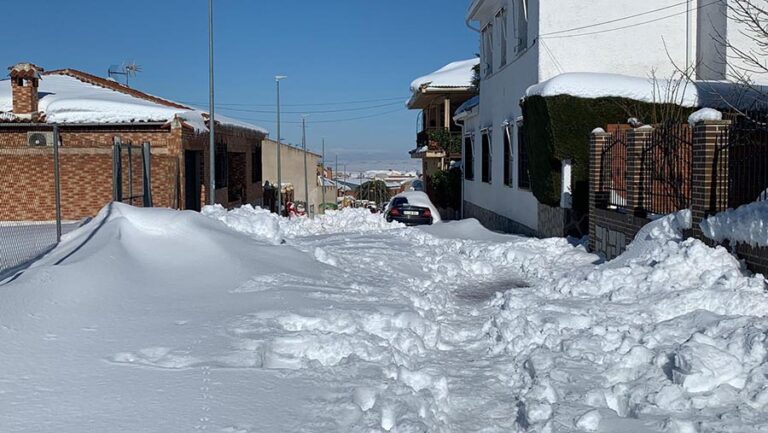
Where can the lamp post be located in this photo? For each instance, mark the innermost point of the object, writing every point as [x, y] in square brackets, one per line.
[211, 120]
[278, 78]
[306, 175]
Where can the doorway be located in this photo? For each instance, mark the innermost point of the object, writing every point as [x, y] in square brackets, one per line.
[192, 179]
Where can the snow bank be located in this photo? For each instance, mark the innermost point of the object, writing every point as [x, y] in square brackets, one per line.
[456, 74]
[671, 329]
[254, 221]
[264, 225]
[347, 220]
[746, 224]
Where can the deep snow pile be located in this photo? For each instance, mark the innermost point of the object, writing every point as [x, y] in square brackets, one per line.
[159, 320]
[264, 225]
[746, 224]
[672, 334]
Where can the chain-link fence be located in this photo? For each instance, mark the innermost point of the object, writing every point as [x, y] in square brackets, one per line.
[47, 191]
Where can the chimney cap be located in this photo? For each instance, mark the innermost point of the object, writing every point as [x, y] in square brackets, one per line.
[25, 70]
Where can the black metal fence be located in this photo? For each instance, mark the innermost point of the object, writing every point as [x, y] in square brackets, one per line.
[742, 156]
[132, 173]
[665, 169]
[613, 170]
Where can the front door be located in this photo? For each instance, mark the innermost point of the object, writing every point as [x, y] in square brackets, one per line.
[192, 161]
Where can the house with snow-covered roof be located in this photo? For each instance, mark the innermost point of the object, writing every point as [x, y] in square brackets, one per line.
[91, 114]
[438, 95]
[525, 152]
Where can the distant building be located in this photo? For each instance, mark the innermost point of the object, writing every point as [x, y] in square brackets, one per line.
[91, 113]
[292, 171]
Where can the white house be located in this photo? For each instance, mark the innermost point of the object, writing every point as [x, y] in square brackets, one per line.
[525, 42]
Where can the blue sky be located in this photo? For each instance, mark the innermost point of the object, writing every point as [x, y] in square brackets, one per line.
[334, 51]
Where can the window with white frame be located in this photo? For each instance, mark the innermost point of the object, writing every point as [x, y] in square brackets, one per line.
[487, 35]
[501, 24]
[521, 25]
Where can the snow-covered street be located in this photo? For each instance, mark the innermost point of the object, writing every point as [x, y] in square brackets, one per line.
[150, 320]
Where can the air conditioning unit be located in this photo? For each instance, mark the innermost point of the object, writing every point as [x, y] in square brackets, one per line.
[40, 139]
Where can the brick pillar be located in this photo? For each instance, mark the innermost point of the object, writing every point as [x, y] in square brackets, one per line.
[636, 142]
[597, 197]
[709, 185]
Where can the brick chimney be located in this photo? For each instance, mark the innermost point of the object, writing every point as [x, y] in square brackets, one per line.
[25, 78]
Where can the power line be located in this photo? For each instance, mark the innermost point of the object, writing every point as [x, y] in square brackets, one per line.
[629, 25]
[245, 110]
[616, 19]
[314, 104]
[324, 121]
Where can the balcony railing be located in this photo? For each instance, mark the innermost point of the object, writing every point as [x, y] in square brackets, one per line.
[440, 139]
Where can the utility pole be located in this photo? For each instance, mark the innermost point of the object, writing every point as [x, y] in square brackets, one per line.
[306, 175]
[688, 38]
[336, 178]
[279, 167]
[322, 176]
[211, 118]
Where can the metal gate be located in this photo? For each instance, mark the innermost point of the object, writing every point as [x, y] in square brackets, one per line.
[131, 173]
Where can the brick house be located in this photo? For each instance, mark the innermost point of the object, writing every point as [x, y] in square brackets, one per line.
[91, 113]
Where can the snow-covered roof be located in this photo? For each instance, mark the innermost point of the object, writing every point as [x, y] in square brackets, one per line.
[718, 94]
[69, 96]
[451, 76]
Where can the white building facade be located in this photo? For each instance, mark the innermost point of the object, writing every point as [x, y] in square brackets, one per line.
[524, 42]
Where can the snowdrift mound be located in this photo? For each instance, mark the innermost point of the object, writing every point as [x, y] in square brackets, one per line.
[263, 225]
[672, 330]
[255, 222]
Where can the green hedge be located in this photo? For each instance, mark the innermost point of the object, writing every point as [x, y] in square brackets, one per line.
[558, 128]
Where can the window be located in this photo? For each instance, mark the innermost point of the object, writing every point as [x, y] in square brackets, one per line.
[487, 157]
[501, 22]
[488, 49]
[222, 166]
[469, 159]
[523, 177]
[509, 159]
[521, 25]
[256, 169]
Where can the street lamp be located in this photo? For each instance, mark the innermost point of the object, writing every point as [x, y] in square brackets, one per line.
[211, 120]
[278, 78]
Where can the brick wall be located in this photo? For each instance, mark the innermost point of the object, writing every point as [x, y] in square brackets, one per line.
[27, 181]
[612, 229]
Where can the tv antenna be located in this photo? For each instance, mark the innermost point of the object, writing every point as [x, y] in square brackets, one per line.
[127, 69]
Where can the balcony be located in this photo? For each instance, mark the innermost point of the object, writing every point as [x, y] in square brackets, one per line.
[440, 139]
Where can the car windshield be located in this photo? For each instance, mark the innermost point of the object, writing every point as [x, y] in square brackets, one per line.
[399, 201]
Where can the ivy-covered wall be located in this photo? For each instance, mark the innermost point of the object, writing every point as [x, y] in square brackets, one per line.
[558, 128]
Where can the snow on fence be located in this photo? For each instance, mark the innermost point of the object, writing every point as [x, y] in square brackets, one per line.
[707, 168]
[47, 190]
[742, 159]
